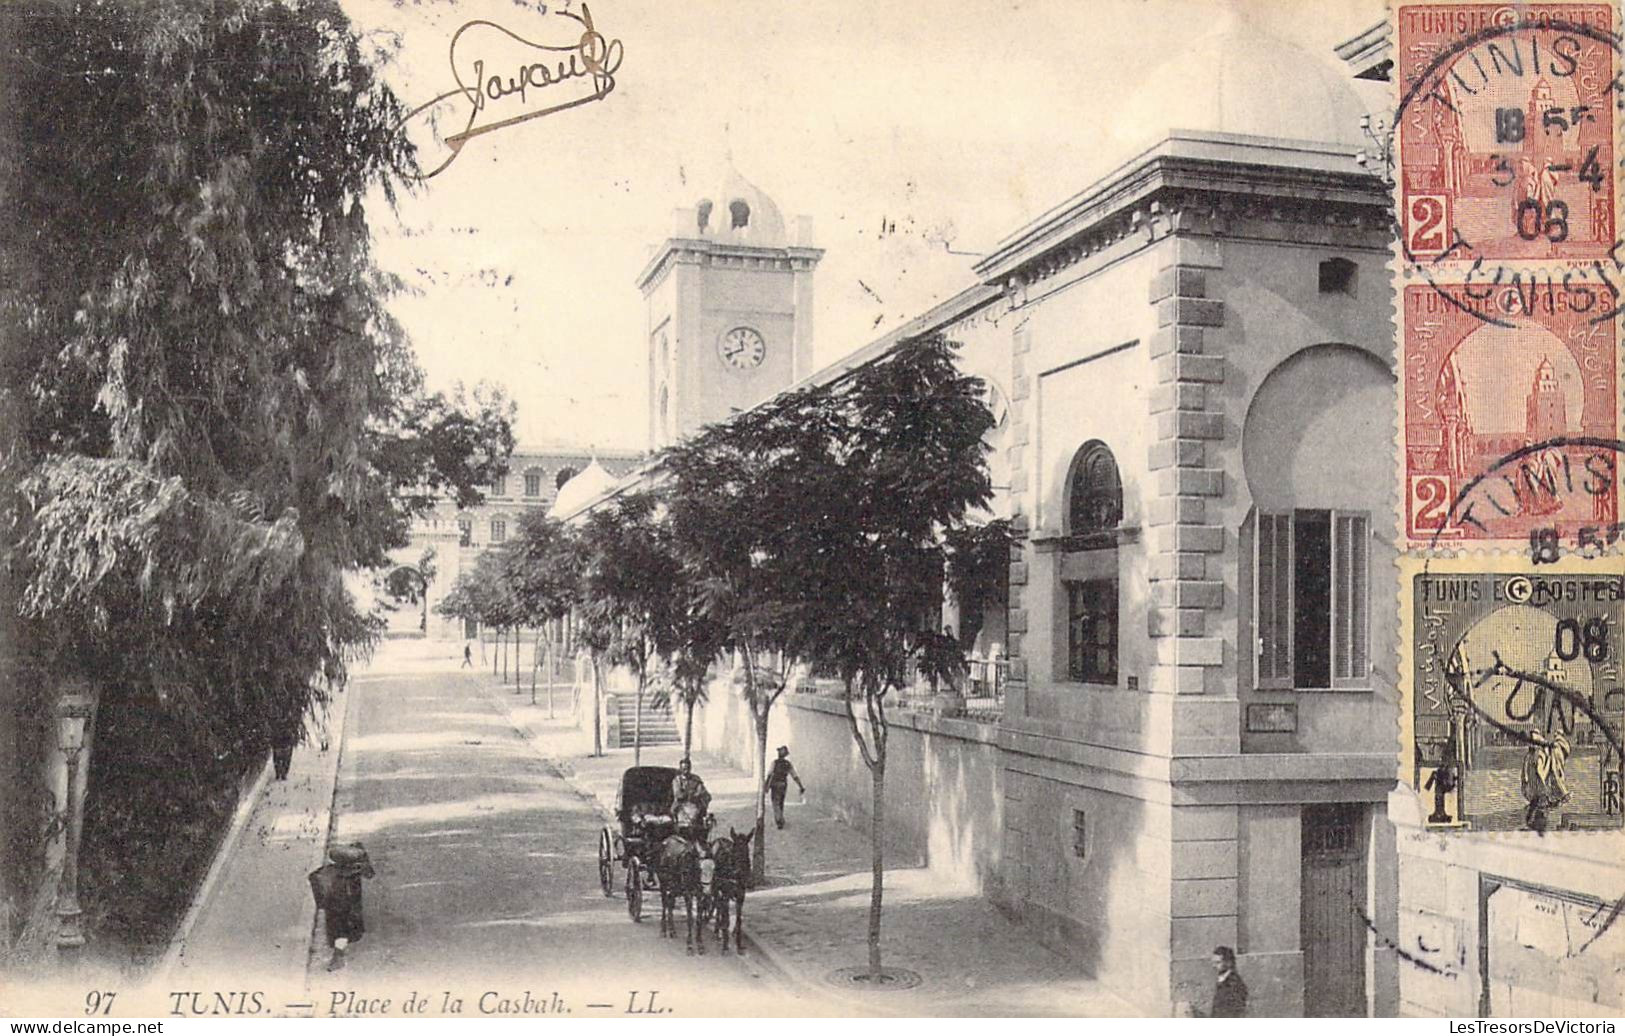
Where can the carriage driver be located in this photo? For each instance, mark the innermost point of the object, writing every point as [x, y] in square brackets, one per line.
[689, 800]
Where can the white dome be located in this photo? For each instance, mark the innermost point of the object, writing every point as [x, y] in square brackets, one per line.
[739, 212]
[592, 482]
[1240, 79]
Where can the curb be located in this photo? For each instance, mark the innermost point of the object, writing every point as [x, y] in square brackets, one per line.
[205, 890]
[335, 745]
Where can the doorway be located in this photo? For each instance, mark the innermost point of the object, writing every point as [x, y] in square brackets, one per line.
[1333, 930]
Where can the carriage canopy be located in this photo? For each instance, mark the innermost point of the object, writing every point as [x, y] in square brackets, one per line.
[644, 787]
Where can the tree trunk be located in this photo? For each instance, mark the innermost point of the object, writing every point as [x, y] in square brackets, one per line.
[502, 649]
[535, 664]
[877, 838]
[758, 865]
[637, 726]
[597, 710]
[688, 729]
[552, 674]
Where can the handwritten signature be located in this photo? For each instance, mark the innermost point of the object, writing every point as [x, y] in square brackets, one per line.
[564, 75]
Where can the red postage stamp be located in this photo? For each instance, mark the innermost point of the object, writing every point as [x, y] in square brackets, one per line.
[1509, 421]
[1506, 131]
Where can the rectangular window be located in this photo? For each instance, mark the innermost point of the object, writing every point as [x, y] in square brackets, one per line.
[533, 485]
[499, 486]
[1092, 631]
[1311, 607]
[1080, 834]
[1351, 658]
[499, 530]
[465, 532]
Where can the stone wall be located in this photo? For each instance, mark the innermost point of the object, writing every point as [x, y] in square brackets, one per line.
[944, 799]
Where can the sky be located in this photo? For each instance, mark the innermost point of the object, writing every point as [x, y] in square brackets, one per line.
[915, 134]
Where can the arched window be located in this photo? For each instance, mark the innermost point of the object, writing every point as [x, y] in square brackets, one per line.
[564, 475]
[1089, 567]
[1094, 492]
[703, 216]
[740, 213]
[533, 482]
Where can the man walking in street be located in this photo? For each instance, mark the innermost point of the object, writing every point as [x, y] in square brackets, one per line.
[468, 656]
[778, 782]
[336, 885]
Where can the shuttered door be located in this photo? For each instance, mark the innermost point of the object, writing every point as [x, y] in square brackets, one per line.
[1333, 894]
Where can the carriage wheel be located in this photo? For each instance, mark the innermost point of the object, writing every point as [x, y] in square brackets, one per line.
[606, 866]
[634, 890]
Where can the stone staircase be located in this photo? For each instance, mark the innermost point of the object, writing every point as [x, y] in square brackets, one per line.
[659, 725]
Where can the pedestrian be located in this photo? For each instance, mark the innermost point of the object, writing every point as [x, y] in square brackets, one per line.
[1229, 991]
[336, 885]
[778, 782]
[283, 742]
[468, 656]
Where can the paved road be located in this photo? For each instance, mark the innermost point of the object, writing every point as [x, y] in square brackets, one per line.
[487, 872]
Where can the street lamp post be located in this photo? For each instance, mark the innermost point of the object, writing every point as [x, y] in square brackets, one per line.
[73, 712]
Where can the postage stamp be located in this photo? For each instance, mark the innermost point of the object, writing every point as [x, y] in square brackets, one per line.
[1506, 431]
[1512, 701]
[1506, 133]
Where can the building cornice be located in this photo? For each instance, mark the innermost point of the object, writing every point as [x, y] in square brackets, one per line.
[701, 252]
[1217, 176]
[1370, 55]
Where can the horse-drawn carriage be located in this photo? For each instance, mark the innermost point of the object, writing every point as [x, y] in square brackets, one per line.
[645, 817]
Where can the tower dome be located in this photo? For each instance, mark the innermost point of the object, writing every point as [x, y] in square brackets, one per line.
[592, 482]
[1240, 79]
[739, 212]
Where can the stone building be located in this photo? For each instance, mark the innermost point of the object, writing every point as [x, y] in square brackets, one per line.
[1190, 360]
[536, 476]
[1192, 364]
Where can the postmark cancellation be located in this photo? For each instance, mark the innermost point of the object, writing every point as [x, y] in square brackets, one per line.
[1512, 701]
[1507, 428]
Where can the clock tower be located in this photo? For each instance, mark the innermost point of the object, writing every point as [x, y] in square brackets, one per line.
[729, 303]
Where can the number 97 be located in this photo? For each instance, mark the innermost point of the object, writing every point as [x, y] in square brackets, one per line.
[99, 1002]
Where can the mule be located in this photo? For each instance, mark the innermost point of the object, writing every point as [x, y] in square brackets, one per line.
[685, 869]
[733, 878]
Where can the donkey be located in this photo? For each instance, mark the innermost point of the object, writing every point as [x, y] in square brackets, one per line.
[733, 877]
[685, 869]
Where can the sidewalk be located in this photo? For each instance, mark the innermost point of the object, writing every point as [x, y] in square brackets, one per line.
[257, 916]
[812, 918]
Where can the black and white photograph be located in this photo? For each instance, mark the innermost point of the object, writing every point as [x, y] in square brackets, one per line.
[557, 509]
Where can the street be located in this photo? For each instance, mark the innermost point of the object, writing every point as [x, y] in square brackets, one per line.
[486, 864]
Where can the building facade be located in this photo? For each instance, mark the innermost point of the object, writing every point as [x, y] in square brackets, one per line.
[456, 536]
[729, 302]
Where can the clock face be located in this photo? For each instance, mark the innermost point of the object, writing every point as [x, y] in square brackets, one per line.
[742, 348]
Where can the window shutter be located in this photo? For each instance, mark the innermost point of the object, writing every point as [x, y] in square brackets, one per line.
[1351, 549]
[1272, 599]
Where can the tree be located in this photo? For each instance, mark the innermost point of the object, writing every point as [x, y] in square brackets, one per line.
[200, 368]
[726, 497]
[541, 566]
[898, 462]
[978, 573]
[630, 589]
[689, 643]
